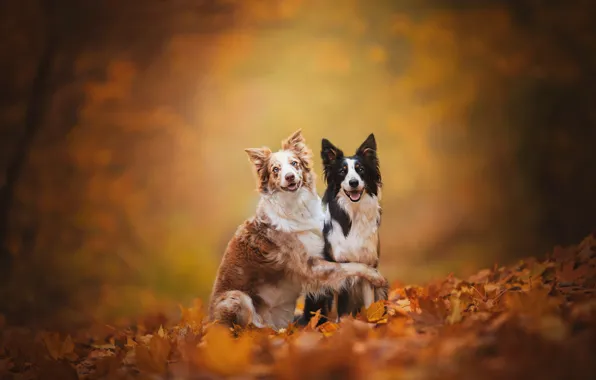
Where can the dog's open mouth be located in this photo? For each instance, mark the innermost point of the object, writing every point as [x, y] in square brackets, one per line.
[292, 186]
[354, 195]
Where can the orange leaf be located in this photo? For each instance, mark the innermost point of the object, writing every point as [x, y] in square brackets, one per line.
[376, 312]
[193, 315]
[314, 320]
[154, 358]
[59, 349]
[225, 355]
[144, 359]
[397, 327]
[328, 328]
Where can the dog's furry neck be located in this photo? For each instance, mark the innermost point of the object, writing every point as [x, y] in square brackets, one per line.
[292, 212]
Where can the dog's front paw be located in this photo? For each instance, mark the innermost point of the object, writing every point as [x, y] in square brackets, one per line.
[376, 279]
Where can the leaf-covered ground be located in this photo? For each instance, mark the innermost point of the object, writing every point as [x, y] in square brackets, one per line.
[536, 319]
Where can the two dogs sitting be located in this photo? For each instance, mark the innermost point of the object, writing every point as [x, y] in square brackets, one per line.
[293, 245]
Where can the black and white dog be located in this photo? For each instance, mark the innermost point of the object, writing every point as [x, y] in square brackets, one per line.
[351, 229]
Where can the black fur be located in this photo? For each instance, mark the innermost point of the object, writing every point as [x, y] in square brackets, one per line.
[333, 163]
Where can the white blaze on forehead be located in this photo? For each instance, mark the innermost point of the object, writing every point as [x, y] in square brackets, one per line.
[284, 159]
[352, 174]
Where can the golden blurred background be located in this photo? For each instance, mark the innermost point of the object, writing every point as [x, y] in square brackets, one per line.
[123, 127]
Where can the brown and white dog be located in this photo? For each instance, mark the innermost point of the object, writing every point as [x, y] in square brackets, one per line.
[278, 254]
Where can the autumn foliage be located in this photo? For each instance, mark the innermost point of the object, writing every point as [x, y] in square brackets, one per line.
[536, 318]
[123, 176]
[124, 124]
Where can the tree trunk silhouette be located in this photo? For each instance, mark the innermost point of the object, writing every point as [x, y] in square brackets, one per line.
[36, 108]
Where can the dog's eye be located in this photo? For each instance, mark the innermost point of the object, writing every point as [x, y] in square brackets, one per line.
[294, 163]
[276, 170]
[359, 169]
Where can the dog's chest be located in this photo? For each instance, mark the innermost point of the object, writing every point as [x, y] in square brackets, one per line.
[313, 242]
[302, 217]
[361, 243]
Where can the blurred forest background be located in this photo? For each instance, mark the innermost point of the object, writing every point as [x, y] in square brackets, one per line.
[123, 124]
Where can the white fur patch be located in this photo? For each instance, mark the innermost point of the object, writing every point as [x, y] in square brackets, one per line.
[297, 212]
[362, 241]
[368, 293]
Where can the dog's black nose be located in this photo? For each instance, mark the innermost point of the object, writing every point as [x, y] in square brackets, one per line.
[290, 177]
[353, 183]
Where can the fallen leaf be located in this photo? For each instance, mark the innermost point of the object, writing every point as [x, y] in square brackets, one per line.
[153, 358]
[57, 348]
[376, 312]
[456, 310]
[314, 320]
[193, 315]
[570, 273]
[130, 343]
[328, 328]
[224, 355]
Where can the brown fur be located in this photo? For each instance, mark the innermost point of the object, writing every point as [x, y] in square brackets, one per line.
[263, 257]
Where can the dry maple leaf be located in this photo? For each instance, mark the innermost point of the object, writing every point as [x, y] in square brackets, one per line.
[435, 307]
[570, 273]
[536, 302]
[194, 315]
[376, 312]
[328, 328]
[57, 348]
[153, 358]
[398, 327]
[413, 296]
[224, 355]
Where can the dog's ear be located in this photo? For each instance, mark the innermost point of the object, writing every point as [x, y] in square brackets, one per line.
[297, 144]
[368, 149]
[329, 152]
[259, 157]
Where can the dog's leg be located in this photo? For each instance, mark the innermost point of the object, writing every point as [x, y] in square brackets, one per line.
[333, 315]
[381, 293]
[235, 307]
[344, 306]
[368, 293]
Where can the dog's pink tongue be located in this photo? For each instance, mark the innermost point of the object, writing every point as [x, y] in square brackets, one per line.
[354, 195]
